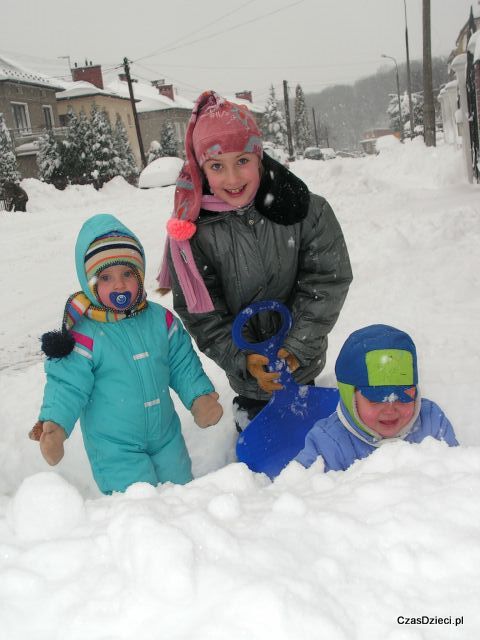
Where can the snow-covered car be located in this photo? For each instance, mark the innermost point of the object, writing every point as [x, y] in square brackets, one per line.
[328, 153]
[278, 154]
[160, 173]
[313, 153]
[317, 153]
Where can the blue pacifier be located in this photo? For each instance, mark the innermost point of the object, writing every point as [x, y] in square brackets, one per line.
[121, 300]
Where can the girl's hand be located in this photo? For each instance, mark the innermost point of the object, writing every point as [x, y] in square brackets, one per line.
[289, 358]
[206, 410]
[51, 442]
[267, 380]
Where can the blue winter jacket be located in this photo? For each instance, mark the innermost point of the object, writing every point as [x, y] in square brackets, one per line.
[340, 448]
[117, 381]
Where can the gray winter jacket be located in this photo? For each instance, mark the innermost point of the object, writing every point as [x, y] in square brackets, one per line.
[244, 256]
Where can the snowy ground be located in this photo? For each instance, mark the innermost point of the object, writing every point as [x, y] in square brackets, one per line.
[339, 556]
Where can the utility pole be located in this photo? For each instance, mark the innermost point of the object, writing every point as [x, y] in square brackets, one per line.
[428, 106]
[409, 85]
[315, 125]
[291, 157]
[126, 68]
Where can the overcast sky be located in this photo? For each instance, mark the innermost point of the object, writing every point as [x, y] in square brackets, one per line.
[227, 45]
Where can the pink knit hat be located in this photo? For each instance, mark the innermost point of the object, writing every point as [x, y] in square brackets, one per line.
[216, 126]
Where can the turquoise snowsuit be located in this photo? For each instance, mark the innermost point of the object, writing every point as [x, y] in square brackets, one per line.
[117, 381]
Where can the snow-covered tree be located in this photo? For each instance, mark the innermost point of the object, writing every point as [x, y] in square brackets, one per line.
[49, 157]
[302, 131]
[8, 160]
[103, 150]
[168, 140]
[392, 110]
[126, 165]
[154, 151]
[274, 125]
[417, 104]
[76, 150]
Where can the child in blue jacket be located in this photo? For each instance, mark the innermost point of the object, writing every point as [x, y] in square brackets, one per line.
[380, 401]
[112, 365]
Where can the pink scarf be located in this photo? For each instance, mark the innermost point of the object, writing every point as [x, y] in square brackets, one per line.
[190, 280]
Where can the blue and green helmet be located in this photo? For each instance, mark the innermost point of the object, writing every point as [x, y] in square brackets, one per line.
[381, 362]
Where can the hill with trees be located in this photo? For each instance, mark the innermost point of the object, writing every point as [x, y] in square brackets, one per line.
[345, 112]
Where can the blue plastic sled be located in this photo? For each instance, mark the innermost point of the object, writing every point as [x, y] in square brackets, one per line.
[275, 436]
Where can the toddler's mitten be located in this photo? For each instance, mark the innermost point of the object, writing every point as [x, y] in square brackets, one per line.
[206, 410]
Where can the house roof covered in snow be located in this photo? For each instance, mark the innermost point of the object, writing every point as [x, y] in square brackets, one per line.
[82, 89]
[13, 72]
[148, 97]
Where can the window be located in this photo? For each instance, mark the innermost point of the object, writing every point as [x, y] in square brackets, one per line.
[48, 116]
[178, 131]
[21, 117]
[63, 118]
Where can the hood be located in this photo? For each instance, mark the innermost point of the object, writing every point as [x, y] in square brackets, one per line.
[97, 225]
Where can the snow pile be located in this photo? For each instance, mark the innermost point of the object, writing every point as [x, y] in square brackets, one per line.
[411, 165]
[232, 555]
[340, 555]
[45, 507]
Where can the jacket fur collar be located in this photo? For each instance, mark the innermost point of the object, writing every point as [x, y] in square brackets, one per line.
[281, 197]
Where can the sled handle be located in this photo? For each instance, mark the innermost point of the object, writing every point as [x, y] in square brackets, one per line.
[268, 347]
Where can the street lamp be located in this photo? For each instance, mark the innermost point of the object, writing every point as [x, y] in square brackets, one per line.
[409, 85]
[398, 95]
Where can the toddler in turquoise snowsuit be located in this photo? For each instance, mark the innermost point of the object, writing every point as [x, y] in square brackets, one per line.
[112, 365]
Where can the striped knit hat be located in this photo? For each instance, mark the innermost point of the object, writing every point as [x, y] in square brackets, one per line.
[111, 249]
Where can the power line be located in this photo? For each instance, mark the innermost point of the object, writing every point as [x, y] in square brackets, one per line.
[279, 67]
[180, 82]
[209, 24]
[212, 35]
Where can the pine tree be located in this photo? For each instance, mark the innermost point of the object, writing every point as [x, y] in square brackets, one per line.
[126, 165]
[154, 151]
[274, 125]
[168, 140]
[392, 110]
[49, 158]
[104, 154]
[302, 131]
[8, 161]
[77, 161]
[417, 104]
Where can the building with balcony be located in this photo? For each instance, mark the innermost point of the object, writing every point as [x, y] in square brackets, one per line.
[29, 107]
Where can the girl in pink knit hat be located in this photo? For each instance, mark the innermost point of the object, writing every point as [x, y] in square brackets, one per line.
[245, 228]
